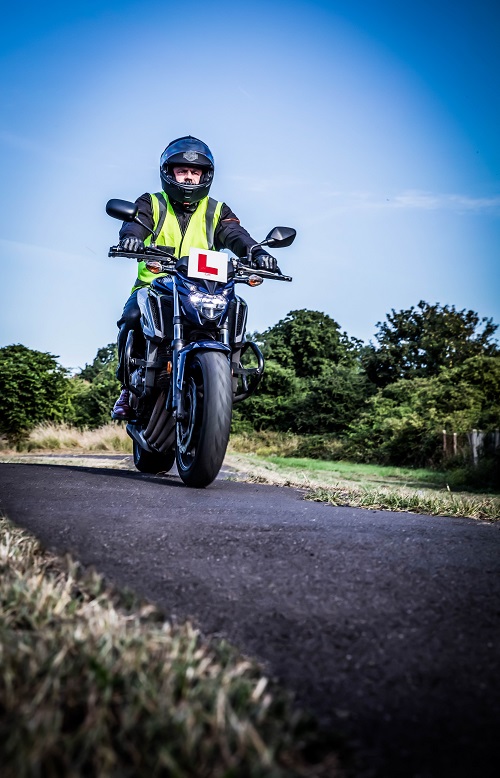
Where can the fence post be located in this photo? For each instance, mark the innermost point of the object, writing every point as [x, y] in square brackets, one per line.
[473, 446]
[476, 441]
[455, 444]
[444, 442]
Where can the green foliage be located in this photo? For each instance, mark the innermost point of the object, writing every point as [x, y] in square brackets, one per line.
[271, 406]
[482, 375]
[33, 388]
[420, 342]
[433, 368]
[286, 444]
[312, 383]
[485, 475]
[332, 402]
[107, 356]
[95, 389]
[288, 403]
[325, 447]
[308, 342]
[402, 423]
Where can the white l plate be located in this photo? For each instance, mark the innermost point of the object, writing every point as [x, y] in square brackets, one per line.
[210, 265]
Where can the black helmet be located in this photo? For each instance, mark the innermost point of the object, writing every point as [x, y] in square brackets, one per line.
[186, 151]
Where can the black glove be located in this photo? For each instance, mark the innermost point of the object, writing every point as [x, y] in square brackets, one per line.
[131, 244]
[266, 262]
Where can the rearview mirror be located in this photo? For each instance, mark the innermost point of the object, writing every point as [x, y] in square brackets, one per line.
[122, 209]
[280, 237]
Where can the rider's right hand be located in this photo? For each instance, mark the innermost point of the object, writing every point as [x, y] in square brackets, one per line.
[131, 244]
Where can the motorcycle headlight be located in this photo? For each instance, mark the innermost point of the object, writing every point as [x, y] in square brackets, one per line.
[210, 306]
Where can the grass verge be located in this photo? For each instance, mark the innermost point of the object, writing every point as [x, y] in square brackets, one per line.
[326, 486]
[430, 503]
[95, 683]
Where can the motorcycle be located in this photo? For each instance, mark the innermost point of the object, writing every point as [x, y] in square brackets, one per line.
[186, 372]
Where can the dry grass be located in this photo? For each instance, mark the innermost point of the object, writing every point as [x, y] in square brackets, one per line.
[285, 444]
[61, 437]
[92, 683]
[431, 503]
[265, 443]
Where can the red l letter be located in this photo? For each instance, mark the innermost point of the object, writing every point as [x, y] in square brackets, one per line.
[204, 268]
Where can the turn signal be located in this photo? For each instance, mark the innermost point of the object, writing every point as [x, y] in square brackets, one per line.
[169, 367]
[153, 267]
[254, 280]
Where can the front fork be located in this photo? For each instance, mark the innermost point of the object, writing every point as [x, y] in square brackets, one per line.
[180, 352]
[177, 346]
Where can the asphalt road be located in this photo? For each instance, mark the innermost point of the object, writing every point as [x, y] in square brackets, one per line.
[386, 625]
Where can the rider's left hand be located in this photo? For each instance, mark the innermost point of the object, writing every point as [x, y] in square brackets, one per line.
[266, 262]
[131, 244]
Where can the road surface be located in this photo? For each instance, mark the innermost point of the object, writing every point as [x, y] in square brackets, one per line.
[385, 625]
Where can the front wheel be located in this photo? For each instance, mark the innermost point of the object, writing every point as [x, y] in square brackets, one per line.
[203, 433]
[149, 462]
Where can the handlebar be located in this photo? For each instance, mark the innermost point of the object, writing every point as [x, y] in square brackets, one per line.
[169, 262]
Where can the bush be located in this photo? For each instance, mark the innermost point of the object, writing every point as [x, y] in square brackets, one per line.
[95, 389]
[33, 388]
[287, 444]
[327, 447]
[485, 475]
[271, 407]
[402, 423]
[330, 403]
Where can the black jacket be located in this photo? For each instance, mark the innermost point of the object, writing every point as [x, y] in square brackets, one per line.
[229, 234]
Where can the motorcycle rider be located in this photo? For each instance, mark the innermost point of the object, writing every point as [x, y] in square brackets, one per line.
[181, 216]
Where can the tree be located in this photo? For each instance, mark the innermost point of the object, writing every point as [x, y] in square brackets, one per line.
[106, 356]
[33, 388]
[95, 388]
[308, 342]
[312, 381]
[420, 342]
[402, 423]
[270, 407]
[330, 403]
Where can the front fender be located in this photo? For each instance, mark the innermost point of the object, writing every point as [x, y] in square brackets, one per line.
[198, 345]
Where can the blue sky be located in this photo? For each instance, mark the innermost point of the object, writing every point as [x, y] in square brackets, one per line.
[372, 127]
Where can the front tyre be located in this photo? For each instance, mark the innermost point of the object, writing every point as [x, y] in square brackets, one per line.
[203, 433]
[149, 462]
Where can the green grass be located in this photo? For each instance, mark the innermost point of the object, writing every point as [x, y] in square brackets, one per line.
[93, 682]
[364, 472]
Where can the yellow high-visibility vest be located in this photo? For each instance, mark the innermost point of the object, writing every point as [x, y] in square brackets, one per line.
[199, 232]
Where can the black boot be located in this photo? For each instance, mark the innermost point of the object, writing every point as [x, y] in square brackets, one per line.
[121, 408]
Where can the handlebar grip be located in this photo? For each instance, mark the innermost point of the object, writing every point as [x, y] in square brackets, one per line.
[116, 252]
[264, 273]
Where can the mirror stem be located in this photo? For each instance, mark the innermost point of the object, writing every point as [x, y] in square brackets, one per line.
[138, 221]
[252, 249]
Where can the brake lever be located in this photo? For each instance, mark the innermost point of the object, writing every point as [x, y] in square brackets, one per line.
[278, 276]
[156, 251]
[141, 256]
